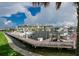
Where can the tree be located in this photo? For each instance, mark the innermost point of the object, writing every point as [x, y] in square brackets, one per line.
[46, 4]
[58, 4]
[77, 50]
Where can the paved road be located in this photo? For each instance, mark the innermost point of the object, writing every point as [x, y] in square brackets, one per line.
[22, 47]
[40, 50]
[44, 43]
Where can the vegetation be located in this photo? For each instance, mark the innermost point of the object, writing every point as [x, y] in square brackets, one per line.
[5, 49]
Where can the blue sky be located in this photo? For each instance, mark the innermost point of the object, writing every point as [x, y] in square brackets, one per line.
[19, 17]
[34, 10]
[14, 14]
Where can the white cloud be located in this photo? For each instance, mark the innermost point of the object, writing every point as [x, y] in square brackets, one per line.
[8, 22]
[11, 8]
[8, 8]
[66, 14]
[4, 23]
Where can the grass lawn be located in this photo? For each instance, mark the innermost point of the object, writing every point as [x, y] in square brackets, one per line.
[5, 49]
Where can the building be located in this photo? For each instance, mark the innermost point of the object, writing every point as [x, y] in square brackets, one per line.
[47, 32]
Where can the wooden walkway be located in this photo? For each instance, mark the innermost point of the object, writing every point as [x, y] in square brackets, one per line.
[44, 43]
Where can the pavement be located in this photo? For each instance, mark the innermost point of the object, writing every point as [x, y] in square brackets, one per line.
[19, 47]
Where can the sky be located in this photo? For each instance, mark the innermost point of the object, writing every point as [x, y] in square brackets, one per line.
[13, 14]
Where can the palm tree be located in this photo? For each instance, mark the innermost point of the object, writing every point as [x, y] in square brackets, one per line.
[58, 4]
[77, 50]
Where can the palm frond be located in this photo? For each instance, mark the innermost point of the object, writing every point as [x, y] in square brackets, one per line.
[40, 3]
[58, 4]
